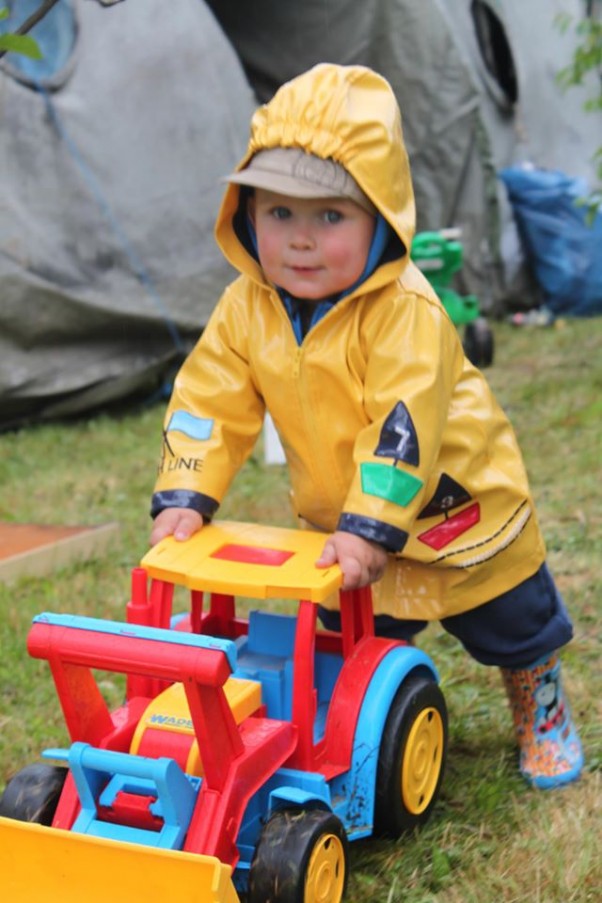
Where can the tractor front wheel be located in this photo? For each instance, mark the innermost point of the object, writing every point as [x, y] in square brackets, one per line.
[301, 857]
[33, 793]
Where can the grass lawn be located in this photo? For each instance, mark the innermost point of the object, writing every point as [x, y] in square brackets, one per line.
[490, 839]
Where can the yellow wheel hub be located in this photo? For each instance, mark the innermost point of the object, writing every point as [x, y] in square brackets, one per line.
[326, 871]
[421, 762]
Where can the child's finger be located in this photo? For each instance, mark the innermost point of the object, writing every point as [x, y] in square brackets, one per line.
[328, 556]
[354, 575]
[189, 522]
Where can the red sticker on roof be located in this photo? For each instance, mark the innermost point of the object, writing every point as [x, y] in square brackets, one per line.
[252, 555]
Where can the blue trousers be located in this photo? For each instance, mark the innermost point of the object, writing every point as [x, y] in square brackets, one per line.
[513, 630]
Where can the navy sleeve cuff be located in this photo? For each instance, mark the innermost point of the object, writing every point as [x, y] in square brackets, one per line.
[390, 538]
[184, 498]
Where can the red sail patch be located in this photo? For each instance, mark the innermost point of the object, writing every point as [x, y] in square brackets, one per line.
[440, 536]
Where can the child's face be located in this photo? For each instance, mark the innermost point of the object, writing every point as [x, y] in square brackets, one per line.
[311, 247]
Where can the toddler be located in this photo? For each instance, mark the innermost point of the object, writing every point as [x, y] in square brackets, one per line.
[395, 445]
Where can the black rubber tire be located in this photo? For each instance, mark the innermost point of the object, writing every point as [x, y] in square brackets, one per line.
[33, 793]
[281, 866]
[419, 714]
[478, 342]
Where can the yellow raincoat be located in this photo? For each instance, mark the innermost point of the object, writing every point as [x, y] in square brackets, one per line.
[388, 430]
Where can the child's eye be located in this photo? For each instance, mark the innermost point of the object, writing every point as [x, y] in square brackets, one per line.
[280, 212]
[332, 216]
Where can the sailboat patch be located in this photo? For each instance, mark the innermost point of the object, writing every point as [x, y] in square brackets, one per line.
[398, 437]
[448, 495]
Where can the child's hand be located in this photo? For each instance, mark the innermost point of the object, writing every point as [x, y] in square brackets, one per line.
[362, 562]
[181, 523]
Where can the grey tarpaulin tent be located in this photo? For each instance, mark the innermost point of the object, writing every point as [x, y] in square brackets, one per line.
[99, 263]
[109, 175]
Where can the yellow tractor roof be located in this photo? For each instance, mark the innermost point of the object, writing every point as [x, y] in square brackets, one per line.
[246, 559]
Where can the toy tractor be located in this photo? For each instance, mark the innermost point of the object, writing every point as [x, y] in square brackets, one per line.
[248, 751]
[439, 256]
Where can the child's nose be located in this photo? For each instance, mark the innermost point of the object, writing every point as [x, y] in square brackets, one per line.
[302, 236]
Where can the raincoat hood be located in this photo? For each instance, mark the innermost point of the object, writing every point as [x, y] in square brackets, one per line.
[349, 114]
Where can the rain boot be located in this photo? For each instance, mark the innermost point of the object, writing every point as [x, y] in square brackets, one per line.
[550, 749]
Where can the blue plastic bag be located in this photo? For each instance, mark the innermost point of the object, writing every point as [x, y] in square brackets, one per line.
[563, 248]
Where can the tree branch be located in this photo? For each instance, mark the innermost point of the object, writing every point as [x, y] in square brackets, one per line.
[40, 12]
[35, 17]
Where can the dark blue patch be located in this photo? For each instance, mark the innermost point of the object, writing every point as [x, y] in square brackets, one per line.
[398, 437]
[184, 498]
[390, 538]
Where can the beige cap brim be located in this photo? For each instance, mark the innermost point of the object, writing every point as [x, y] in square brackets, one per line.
[290, 171]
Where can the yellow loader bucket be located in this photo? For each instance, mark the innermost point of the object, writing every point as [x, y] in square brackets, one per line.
[49, 865]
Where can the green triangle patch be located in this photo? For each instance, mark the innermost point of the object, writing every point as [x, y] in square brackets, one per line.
[390, 483]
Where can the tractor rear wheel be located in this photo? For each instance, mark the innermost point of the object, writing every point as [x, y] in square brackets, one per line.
[478, 342]
[411, 758]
